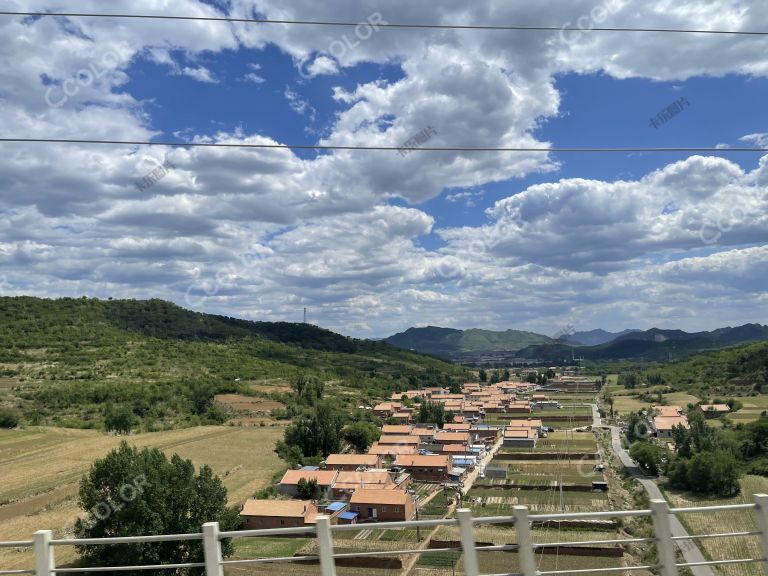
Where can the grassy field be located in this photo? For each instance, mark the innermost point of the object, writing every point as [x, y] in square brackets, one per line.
[624, 404]
[725, 522]
[751, 410]
[40, 469]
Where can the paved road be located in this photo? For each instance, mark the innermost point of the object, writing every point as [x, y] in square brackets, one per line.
[597, 422]
[690, 550]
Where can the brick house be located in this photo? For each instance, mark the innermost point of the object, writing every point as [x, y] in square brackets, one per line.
[382, 505]
[290, 482]
[351, 462]
[428, 468]
[263, 514]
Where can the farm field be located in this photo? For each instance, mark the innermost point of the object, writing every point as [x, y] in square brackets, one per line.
[752, 407]
[40, 469]
[560, 441]
[624, 404]
[499, 501]
[505, 562]
[725, 522]
[546, 472]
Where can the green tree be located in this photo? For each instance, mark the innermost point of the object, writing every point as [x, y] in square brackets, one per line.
[649, 456]
[314, 434]
[307, 489]
[136, 493]
[433, 413]
[637, 427]
[9, 418]
[483, 375]
[531, 378]
[361, 435]
[120, 418]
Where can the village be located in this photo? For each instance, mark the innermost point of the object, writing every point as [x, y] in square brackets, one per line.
[413, 465]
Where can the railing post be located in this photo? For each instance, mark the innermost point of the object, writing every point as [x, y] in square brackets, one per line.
[761, 501]
[525, 553]
[665, 546]
[212, 549]
[467, 534]
[45, 562]
[325, 540]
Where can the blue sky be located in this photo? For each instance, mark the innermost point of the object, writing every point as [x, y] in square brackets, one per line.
[374, 242]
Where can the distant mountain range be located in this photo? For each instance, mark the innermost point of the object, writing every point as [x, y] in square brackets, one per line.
[448, 342]
[486, 346]
[594, 337]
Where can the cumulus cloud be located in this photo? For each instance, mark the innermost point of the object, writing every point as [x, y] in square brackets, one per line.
[262, 233]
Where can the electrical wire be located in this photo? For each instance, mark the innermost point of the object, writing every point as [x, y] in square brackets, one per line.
[402, 25]
[321, 147]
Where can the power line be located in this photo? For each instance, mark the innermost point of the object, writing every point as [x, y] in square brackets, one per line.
[402, 25]
[372, 148]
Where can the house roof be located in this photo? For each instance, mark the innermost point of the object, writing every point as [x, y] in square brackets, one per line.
[336, 506]
[396, 429]
[458, 448]
[520, 433]
[278, 508]
[323, 477]
[715, 407]
[669, 422]
[425, 461]
[457, 427]
[524, 423]
[393, 449]
[348, 515]
[352, 460]
[401, 440]
[669, 411]
[369, 479]
[452, 437]
[423, 432]
[379, 497]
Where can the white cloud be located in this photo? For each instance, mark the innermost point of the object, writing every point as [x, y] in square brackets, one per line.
[288, 231]
[201, 74]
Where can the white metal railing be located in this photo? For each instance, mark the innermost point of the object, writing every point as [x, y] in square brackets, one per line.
[43, 544]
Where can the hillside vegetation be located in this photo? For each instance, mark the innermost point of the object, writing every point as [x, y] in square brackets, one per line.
[153, 365]
[738, 371]
[446, 342]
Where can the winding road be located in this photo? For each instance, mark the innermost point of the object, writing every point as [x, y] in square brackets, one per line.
[690, 550]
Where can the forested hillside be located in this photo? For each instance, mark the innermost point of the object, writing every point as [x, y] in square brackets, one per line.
[76, 362]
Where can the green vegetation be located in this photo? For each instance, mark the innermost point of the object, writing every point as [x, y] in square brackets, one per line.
[67, 359]
[9, 418]
[134, 493]
[737, 371]
[649, 456]
[447, 341]
[433, 413]
[360, 435]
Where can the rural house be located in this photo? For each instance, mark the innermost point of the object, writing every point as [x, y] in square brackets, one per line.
[262, 514]
[428, 468]
[351, 462]
[382, 505]
[290, 482]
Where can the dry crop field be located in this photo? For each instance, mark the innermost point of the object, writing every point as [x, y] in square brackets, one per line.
[40, 469]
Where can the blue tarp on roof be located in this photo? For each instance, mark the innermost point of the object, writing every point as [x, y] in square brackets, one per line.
[348, 515]
[336, 506]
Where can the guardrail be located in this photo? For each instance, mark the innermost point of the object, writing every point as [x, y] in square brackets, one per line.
[43, 544]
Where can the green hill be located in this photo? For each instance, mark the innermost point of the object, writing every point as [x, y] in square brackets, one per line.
[62, 361]
[651, 345]
[741, 370]
[448, 342]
